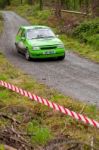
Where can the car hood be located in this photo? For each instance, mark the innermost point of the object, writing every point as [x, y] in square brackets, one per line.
[45, 41]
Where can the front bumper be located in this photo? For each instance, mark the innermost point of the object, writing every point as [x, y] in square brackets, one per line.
[47, 53]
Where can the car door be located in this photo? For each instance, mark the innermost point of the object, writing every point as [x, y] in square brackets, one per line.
[21, 40]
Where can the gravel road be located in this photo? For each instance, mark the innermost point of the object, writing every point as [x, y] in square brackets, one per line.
[75, 76]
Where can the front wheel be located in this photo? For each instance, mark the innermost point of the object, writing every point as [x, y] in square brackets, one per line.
[17, 49]
[62, 57]
[27, 55]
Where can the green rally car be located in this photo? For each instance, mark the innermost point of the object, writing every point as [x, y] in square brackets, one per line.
[39, 42]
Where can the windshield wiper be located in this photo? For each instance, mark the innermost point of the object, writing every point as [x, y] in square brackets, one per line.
[50, 36]
[39, 37]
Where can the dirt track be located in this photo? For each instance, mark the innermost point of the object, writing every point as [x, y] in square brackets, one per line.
[75, 76]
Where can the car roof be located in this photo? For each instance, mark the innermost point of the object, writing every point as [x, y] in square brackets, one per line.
[34, 27]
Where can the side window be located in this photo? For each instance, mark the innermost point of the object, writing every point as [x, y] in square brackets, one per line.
[23, 33]
[20, 32]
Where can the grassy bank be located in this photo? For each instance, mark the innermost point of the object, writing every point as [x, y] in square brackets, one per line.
[1, 23]
[44, 123]
[46, 17]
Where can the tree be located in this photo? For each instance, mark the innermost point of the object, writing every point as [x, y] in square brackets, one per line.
[67, 4]
[87, 6]
[58, 8]
[3, 3]
[29, 2]
[62, 3]
[21, 1]
[41, 4]
[8, 2]
[95, 7]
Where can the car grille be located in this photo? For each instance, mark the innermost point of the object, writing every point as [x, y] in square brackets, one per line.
[48, 47]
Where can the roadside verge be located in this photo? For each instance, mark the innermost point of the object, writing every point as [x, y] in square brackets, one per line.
[35, 117]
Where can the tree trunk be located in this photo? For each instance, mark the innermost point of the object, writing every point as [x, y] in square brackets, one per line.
[95, 7]
[74, 4]
[8, 2]
[29, 1]
[58, 9]
[67, 4]
[21, 1]
[41, 4]
[62, 4]
[87, 6]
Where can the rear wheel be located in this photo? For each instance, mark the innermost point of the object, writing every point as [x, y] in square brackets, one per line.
[27, 55]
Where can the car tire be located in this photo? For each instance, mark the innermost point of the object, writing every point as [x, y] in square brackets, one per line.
[17, 49]
[62, 57]
[27, 55]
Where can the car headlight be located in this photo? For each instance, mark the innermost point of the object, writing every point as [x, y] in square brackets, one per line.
[60, 46]
[36, 48]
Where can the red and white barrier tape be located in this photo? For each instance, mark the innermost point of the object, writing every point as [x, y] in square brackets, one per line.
[52, 105]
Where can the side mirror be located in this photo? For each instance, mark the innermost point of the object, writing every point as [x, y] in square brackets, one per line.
[57, 35]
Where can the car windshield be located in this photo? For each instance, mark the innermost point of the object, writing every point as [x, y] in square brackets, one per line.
[39, 33]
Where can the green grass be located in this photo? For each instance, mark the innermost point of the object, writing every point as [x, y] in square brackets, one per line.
[2, 147]
[43, 122]
[82, 49]
[40, 135]
[46, 17]
[88, 32]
